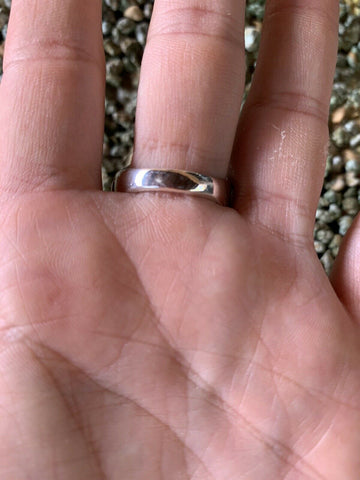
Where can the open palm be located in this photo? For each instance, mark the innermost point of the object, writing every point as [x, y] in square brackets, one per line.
[156, 336]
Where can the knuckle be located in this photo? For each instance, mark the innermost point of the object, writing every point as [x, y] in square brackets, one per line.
[49, 51]
[295, 102]
[312, 12]
[199, 22]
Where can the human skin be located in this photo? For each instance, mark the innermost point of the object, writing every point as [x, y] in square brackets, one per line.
[156, 336]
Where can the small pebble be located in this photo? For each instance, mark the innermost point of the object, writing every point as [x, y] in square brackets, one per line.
[255, 9]
[338, 115]
[319, 246]
[352, 179]
[134, 13]
[324, 236]
[252, 39]
[113, 4]
[352, 165]
[341, 137]
[355, 141]
[351, 127]
[334, 245]
[330, 215]
[336, 164]
[353, 58]
[111, 48]
[349, 155]
[117, 151]
[339, 95]
[323, 202]
[344, 224]
[332, 197]
[351, 206]
[148, 8]
[327, 261]
[353, 98]
[106, 28]
[125, 26]
[338, 184]
[350, 192]
[141, 31]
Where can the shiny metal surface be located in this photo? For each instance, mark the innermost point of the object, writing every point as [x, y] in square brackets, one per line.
[136, 180]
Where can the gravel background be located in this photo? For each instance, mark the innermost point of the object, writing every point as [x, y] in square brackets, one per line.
[125, 25]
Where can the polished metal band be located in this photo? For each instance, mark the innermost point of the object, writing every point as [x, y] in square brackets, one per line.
[135, 180]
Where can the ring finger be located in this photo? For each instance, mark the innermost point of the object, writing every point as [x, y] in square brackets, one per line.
[191, 86]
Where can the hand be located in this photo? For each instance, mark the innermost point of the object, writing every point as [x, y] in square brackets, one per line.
[156, 336]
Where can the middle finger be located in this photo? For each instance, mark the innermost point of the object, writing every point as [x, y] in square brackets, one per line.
[191, 86]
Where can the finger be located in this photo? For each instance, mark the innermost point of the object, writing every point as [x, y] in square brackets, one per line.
[52, 96]
[191, 86]
[280, 151]
[345, 275]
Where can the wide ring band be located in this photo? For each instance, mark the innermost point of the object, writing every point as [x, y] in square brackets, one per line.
[136, 180]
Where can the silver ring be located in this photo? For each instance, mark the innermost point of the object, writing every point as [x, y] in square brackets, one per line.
[136, 180]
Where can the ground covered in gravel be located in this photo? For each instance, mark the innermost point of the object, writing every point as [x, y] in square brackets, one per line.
[125, 25]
